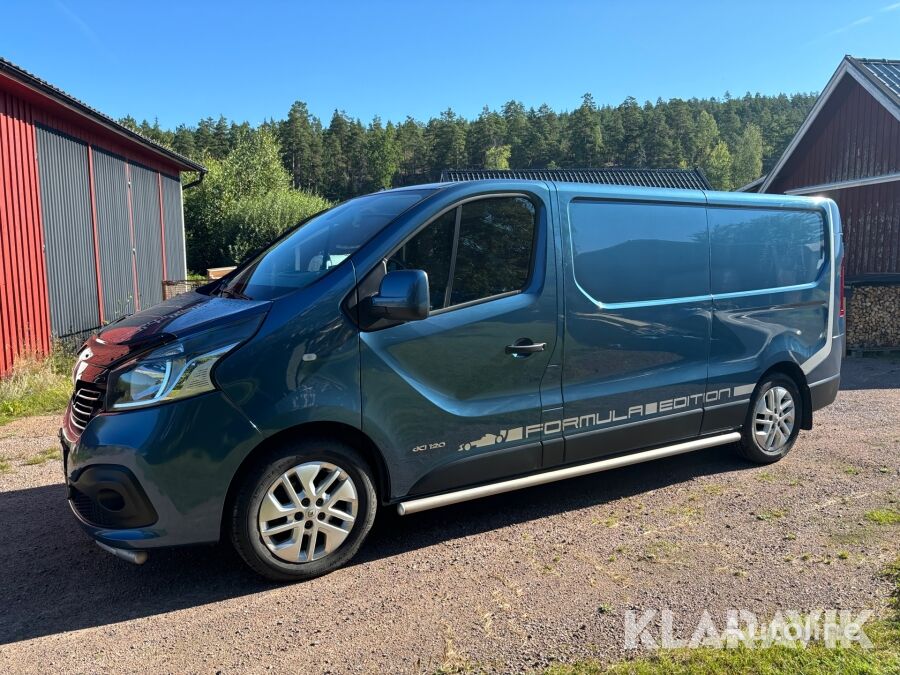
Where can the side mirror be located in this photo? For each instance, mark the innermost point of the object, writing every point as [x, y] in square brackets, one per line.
[403, 296]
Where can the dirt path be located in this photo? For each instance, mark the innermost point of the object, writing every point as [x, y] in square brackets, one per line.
[507, 583]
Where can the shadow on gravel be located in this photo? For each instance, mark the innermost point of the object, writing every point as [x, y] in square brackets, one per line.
[870, 372]
[55, 580]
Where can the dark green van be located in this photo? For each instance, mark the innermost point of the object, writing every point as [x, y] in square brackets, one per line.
[429, 345]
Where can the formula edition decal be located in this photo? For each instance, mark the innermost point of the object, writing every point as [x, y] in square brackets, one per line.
[600, 419]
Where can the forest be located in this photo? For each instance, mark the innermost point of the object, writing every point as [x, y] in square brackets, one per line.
[264, 179]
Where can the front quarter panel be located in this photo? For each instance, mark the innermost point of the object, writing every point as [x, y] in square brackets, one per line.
[303, 364]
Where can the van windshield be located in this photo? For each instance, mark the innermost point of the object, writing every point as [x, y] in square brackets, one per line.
[325, 241]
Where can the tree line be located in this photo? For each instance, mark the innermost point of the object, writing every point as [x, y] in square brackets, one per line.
[733, 140]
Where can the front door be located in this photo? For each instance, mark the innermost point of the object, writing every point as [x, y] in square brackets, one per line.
[456, 397]
[637, 322]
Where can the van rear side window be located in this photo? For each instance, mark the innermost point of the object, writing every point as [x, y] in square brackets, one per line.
[754, 249]
[626, 252]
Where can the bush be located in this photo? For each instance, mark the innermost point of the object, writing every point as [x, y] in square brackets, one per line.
[244, 201]
[254, 221]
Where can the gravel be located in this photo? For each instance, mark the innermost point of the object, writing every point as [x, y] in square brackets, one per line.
[508, 583]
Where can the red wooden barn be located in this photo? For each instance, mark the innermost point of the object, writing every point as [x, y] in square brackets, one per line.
[91, 218]
[848, 149]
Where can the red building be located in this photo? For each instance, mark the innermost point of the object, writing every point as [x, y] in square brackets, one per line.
[91, 218]
[848, 149]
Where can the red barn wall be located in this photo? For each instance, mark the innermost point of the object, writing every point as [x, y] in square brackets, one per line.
[854, 136]
[24, 315]
[26, 293]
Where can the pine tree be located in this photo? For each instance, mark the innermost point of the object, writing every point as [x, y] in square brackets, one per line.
[383, 153]
[632, 152]
[585, 138]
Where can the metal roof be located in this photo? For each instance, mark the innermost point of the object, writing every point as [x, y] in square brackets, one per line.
[685, 179]
[884, 73]
[34, 82]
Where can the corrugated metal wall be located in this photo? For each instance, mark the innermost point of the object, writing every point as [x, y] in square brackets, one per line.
[147, 235]
[24, 320]
[129, 233]
[66, 260]
[114, 233]
[173, 211]
[870, 217]
[68, 232]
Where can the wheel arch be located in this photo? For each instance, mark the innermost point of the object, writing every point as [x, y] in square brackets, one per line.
[793, 371]
[333, 430]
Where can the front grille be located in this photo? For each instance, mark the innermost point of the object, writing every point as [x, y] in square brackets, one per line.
[86, 402]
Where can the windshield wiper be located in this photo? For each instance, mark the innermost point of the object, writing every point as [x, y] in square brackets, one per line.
[229, 292]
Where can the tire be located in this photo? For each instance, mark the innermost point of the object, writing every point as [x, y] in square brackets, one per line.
[271, 527]
[763, 437]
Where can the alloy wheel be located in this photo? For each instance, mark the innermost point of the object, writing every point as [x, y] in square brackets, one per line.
[308, 512]
[773, 419]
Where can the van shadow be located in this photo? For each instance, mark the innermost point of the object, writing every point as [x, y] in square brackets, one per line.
[55, 580]
[858, 373]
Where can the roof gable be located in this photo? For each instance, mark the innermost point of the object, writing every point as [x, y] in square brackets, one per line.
[877, 77]
[31, 85]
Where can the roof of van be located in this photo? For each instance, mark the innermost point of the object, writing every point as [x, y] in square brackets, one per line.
[684, 179]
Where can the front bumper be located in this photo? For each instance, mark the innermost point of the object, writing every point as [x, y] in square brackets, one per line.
[157, 476]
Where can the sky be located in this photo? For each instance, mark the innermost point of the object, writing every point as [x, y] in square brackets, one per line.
[182, 61]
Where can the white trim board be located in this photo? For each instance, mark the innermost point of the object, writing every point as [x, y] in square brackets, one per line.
[844, 185]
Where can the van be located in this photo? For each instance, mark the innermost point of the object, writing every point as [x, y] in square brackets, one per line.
[424, 346]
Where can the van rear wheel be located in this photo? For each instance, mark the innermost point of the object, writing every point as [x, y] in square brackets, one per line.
[304, 510]
[773, 420]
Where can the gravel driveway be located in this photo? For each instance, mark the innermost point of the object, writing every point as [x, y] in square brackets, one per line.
[511, 582]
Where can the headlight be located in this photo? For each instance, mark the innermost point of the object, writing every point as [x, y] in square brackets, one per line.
[168, 373]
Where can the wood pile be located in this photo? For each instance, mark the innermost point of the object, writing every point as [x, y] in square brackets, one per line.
[873, 317]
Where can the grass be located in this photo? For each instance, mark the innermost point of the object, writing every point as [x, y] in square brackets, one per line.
[884, 516]
[777, 660]
[43, 457]
[5, 466]
[36, 386]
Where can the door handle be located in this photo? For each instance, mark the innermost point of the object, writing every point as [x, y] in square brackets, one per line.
[525, 347]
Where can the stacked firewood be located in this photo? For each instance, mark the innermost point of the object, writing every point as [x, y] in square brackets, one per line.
[873, 317]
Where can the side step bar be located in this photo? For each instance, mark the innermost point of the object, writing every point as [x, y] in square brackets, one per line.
[425, 503]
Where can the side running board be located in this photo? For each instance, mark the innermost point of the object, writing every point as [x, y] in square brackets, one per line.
[425, 503]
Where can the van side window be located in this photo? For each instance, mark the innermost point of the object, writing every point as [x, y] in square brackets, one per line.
[627, 252]
[753, 249]
[430, 250]
[490, 254]
[496, 240]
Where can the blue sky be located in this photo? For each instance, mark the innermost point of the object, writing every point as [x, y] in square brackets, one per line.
[180, 61]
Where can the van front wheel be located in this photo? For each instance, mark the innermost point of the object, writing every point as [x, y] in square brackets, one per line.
[304, 510]
[773, 420]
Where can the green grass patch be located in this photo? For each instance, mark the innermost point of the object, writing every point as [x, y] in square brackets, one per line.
[774, 514]
[36, 386]
[5, 466]
[43, 457]
[884, 516]
[884, 657]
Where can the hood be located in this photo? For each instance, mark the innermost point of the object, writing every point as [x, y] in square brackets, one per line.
[178, 317]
